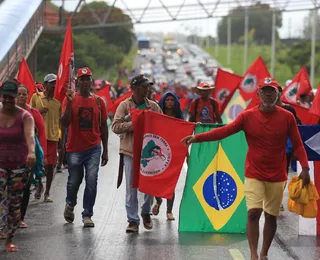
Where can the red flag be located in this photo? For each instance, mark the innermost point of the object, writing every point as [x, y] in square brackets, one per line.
[225, 85]
[25, 78]
[304, 115]
[315, 108]
[299, 85]
[157, 97]
[184, 102]
[249, 84]
[105, 95]
[66, 65]
[162, 154]
[117, 102]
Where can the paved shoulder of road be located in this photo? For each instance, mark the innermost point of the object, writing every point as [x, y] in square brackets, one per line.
[49, 237]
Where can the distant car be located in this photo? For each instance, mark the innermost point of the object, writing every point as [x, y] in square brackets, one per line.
[171, 65]
[146, 69]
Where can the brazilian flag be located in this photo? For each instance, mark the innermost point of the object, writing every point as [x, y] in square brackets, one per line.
[213, 197]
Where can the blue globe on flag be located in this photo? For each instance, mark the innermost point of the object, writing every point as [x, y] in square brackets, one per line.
[220, 190]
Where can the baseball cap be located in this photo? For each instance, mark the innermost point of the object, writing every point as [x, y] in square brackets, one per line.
[85, 71]
[269, 82]
[50, 78]
[140, 80]
[9, 88]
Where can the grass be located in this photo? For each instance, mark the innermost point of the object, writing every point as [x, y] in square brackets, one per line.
[282, 71]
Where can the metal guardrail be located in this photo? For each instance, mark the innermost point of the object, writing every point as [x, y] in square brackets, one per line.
[23, 45]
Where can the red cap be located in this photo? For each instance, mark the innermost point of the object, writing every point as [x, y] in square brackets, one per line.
[85, 71]
[269, 82]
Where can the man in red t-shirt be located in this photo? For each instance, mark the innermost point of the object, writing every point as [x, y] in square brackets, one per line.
[85, 116]
[267, 128]
[204, 109]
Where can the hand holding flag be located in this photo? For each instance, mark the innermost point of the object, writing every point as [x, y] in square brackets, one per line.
[188, 140]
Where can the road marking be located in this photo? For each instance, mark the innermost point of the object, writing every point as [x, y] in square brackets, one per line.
[236, 254]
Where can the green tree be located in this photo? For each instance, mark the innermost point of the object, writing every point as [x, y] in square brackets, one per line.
[90, 50]
[299, 55]
[121, 36]
[260, 19]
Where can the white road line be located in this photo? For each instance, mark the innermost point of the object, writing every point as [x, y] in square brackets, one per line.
[236, 254]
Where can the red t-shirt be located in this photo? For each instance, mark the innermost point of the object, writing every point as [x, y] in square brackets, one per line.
[84, 130]
[266, 135]
[205, 111]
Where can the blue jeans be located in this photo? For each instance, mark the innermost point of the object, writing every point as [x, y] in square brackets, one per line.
[132, 194]
[89, 161]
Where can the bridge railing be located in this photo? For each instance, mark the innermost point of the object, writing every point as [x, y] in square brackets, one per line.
[23, 45]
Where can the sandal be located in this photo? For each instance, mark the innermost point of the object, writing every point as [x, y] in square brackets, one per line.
[156, 209]
[170, 217]
[3, 235]
[11, 248]
[47, 199]
[22, 224]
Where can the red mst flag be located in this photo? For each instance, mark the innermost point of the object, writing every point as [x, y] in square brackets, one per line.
[315, 108]
[184, 102]
[162, 154]
[66, 64]
[137, 117]
[105, 95]
[157, 97]
[299, 85]
[25, 78]
[225, 85]
[304, 115]
[249, 84]
[117, 102]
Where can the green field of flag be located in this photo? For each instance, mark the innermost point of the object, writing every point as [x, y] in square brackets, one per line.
[213, 197]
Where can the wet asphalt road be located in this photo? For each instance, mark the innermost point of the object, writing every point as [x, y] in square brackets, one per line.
[50, 238]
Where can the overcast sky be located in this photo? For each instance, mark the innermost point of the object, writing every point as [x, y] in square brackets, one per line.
[292, 21]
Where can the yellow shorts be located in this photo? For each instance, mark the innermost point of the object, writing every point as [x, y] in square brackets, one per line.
[263, 194]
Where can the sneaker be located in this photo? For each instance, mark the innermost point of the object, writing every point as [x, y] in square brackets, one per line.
[132, 227]
[59, 169]
[282, 208]
[87, 222]
[68, 214]
[170, 217]
[147, 221]
[156, 209]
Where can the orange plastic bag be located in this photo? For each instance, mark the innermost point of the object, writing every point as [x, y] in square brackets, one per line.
[302, 200]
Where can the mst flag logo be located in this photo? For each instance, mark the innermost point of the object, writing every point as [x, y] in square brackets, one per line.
[155, 156]
[222, 95]
[249, 83]
[291, 92]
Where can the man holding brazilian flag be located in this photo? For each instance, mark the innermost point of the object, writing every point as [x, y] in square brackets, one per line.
[217, 184]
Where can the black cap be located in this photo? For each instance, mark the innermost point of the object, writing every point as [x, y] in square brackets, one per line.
[139, 80]
[9, 88]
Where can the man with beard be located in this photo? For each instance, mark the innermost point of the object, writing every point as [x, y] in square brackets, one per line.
[267, 128]
[50, 109]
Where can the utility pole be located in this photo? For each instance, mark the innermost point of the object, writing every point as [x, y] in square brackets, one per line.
[313, 45]
[246, 32]
[273, 43]
[229, 42]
